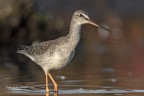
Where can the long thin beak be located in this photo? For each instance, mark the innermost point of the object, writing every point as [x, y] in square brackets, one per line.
[91, 22]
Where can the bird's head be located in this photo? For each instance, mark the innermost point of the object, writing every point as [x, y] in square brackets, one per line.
[81, 17]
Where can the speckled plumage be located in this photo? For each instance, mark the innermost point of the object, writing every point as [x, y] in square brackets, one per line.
[55, 54]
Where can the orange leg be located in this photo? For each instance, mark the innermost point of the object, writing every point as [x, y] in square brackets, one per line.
[55, 84]
[47, 94]
[47, 89]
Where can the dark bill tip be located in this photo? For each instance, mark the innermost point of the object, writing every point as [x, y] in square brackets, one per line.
[91, 22]
[104, 28]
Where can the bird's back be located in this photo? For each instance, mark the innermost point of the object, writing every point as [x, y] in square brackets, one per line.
[41, 48]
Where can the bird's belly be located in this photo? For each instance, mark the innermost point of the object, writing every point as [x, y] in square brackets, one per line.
[62, 62]
[56, 61]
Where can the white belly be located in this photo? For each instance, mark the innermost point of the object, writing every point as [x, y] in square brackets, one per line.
[57, 61]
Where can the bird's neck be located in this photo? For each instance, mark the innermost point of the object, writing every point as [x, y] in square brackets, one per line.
[74, 34]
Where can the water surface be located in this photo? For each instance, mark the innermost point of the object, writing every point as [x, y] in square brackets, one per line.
[72, 83]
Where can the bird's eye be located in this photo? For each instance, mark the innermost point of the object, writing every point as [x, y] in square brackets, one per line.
[81, 15]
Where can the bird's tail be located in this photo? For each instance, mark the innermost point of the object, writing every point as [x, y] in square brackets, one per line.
[22, 50]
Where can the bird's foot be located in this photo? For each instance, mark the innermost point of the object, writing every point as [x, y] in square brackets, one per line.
[56, 90]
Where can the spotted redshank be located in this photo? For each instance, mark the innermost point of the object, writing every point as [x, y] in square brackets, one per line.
[55, 54]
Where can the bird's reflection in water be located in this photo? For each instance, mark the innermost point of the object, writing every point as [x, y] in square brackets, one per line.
[54, 94]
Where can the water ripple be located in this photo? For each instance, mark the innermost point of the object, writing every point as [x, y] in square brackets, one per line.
[29, 90]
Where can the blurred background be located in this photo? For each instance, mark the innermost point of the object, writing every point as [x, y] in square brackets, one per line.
[100, 54]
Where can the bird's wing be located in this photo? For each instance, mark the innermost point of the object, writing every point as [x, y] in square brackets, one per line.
[37, 49]
[41, 48]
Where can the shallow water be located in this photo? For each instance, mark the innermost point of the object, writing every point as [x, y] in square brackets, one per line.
[72, 83]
